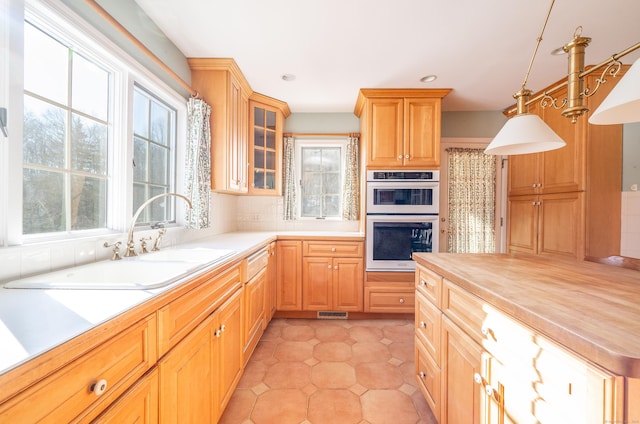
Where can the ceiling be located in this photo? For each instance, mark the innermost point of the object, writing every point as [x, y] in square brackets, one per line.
[479, 48]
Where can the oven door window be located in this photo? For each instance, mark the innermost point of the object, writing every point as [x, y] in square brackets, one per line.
[396, 241]
[403, 196]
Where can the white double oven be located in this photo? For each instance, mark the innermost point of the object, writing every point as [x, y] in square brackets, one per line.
[402, 217]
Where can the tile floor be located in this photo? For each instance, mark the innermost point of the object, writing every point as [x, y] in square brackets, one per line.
[331, 371]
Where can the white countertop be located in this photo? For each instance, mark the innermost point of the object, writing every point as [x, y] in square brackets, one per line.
[33, 321]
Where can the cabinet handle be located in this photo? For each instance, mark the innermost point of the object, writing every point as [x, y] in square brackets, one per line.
[399, 156]
[333, 249]
[222, 328]
[424, 283]
[401, 300]
[335, 267]
[423, 324]
[217, 333]
[406, 156]
[329, 266]
[422, 374]
[492, 393]
[99, 387]
[478, 378]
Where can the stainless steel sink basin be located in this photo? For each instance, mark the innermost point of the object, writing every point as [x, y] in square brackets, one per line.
[149, 271]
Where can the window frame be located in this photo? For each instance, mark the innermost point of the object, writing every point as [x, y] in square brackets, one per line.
[319, 143]
[55, 19]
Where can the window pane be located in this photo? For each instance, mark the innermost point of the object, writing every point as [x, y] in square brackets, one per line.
[270, 182]
[46, 64]
[43, 202]
[331, 159]
[271, 120]
[159, 123]
[139, 159]
[311, 206]
[90, 88]
[270, 140]
[311, 159]
[158, 165]
[312, 183]
[139, 197]
[331, 183]
[258, 178]
[258, 117]
[331, 205]
[258, 137]
[140, 114]
[258, 158]
[88, 202]
[159, 209]
[271, 160]
[43, 133]
[88, 145]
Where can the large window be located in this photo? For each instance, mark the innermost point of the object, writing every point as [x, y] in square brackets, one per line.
[65, 149]
[321, 172]
[153, 141]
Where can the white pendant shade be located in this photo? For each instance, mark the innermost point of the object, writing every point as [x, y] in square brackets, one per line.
[622, 105]
[525, 133]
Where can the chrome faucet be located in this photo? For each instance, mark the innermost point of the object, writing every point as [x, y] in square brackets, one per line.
[131, 245]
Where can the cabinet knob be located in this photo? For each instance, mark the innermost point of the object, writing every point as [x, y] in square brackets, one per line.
[222, 328]
[423, 324]
[422, 374]
[423, 283]
[99, 387]
[329, 266]
[478, 378]
[217, 333]
[399, 156]
[335, 267]
[401, 300]
[406, 156]
[492, 393]
[333, 249]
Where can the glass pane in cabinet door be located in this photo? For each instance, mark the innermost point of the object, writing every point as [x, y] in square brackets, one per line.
[258, 178]
[270, 182]
[271, 120]
[271, 160]
[270, 139]
[258, 117]
[258, 159]
[258, 137]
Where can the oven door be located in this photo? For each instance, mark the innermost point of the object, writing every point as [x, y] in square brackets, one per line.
[392, 239]
[402, 197]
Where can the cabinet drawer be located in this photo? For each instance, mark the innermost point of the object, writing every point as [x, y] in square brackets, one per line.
[67, 395]
[343, 249]
[429, 376]
[138, 405]
[391, 299]
[429, 284]
[254, 263]
[428, 326]
[464, 309]
[179, 317]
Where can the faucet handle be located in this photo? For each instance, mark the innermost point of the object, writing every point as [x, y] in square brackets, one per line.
[116, 250]
[143, 244]
[156, 244]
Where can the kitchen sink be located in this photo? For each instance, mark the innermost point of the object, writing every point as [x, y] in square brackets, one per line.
[149, 271]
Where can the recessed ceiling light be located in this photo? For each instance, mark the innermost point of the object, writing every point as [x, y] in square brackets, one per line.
[558, 52]
[288, 77]
[428, 78]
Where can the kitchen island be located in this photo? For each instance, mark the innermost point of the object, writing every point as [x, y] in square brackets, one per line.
[527, 338]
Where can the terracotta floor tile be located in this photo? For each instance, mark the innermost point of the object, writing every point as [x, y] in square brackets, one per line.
[280, 406]
[298, 333]
[361, 333]
[379, 375]
[239, 407]
[399, 333]
[332, 351]
[253, 374]
[264, 350]
[293, 351]
[403, 351]
[332, 333]
[370, 352]
[334, 407]
[288, 375]
[333, 375]
[388, 407]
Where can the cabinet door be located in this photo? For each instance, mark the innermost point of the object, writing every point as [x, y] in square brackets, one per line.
[289, 260]
[272, 289]
[421, 133]
[229, 357]
[348, 284]
[237, 144]
[187, 381]
[522, 218]
[139, 405]
[523, 174]
[254, 295]
[385, 142]
[464, 361]
[265, 153]
[317, 275]
[561, 218]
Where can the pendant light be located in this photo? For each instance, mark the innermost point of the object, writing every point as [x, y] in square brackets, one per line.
[525, 132]
[622, 105]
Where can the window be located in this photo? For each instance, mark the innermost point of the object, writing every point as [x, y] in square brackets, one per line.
[65, 150]
[153, 141]
[320, 174]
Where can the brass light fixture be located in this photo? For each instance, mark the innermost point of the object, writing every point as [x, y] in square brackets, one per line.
[622, 105]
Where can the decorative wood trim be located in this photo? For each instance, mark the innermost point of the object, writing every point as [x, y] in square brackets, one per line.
[291, 134]
[221, 64]
[365, 93]
[261, 98]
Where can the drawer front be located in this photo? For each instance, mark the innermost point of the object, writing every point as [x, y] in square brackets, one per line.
[429, 284]
[255, 263]
[178, 318]
[429, 376]
[139, 405]
[343, 249]
[392, 300]
[464, 309]
[428, 326]
[82, 388]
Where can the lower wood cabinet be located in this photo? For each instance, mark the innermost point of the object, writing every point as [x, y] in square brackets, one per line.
[139, 405]
[198, 375]
[289, 279]
[332, 284]
[389, 292]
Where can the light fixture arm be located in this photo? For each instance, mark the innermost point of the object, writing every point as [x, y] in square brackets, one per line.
[535, 51]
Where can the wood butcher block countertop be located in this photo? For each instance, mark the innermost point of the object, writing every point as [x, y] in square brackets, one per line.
[591, 309]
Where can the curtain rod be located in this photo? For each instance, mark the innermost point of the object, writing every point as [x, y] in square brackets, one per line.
[290, 134]
[117, 25]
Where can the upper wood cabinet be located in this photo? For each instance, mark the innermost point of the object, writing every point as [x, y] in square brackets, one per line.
[401, 127]
[222, 85]
[590, 163]
[265, 144]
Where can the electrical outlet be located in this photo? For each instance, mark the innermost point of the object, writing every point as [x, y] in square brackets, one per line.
[634, 187]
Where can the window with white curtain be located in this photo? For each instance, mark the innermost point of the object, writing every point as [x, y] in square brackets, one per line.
[320, 173]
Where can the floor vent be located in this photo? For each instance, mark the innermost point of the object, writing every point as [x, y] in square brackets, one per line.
[332, 315]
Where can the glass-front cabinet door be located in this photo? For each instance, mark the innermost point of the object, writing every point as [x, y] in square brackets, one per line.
[265, 149]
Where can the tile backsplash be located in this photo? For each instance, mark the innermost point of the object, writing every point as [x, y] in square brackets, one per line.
[630, 237]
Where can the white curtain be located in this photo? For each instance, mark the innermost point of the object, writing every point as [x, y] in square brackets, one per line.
[472, 203]
[351, 187]
[198, 163]
[289, 179]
